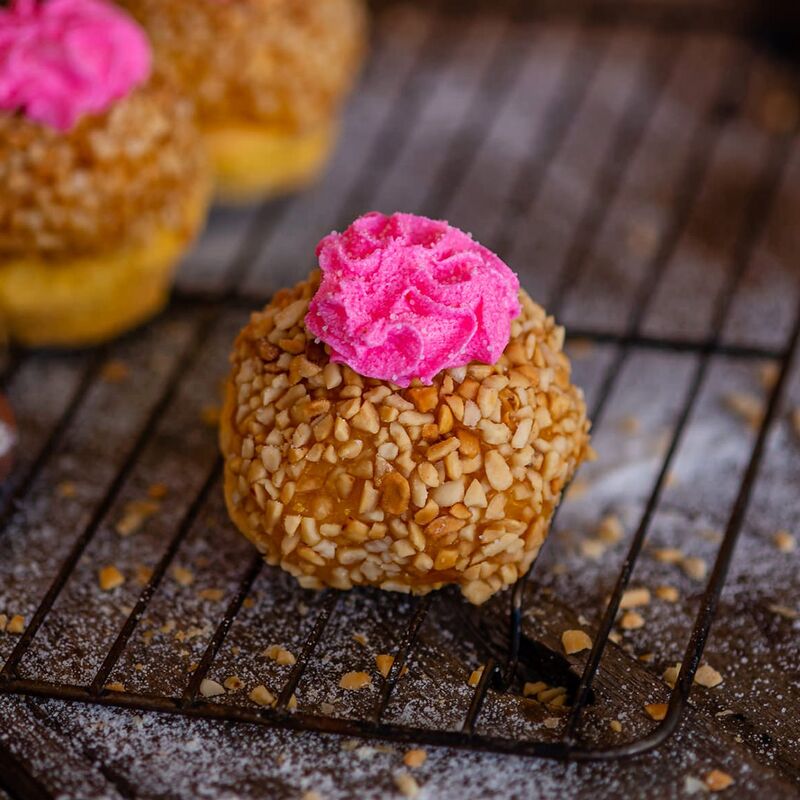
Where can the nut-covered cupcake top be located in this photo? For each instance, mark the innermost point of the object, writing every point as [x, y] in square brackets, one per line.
[404, 297]
[63, 59]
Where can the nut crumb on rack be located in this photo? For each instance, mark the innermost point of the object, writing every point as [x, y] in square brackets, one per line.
[718, 781]
[16, 624]
[633, 598]
[183, 576]
[475, 676]
[209, 688]
[359, 638]
[631, 621]
[355, 680]
[656, 711]
[532, 689]
[115, 686]
[262, 696]
[232, 683]
[747, 406]
[707, 676]
[312, 795]
[784, 541]
[668, 555]
[406, 784]
[784, 611]
[3, 622]
[593, 549]
[114, 371]
[695, 567]
[134, 515]
[280, 655]
[671, 674]
[669, 594]
[551, 723]
[615, 726]
[415, 758]
[157, 491]
[67, 489]
[384, 662]
[109, 577]
[214, 595]
[143, 574]
[610, 530]
[575, 641]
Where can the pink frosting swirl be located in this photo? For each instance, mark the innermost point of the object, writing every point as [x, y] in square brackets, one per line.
[62, 59]
[405, 297]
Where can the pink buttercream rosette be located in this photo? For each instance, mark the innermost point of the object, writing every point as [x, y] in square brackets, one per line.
[62, 59]
[405, 297]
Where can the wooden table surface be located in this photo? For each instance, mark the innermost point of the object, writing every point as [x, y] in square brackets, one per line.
[644, 180]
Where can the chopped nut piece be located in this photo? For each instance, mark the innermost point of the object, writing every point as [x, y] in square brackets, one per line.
[610, 529]
[631, 621]
[533, 689]
[232, 683]
[110, 578]
[209, 688]
[16, 624]
[395, 494]
[262, 696]
[280, 655]
[633, 598]
[575, 641]
[384, 663]
[671, 675]
[415, 758]
[667, 593]
[406, 784]
[497, 472]
[183, 576]
[593, 548]
[551, 723]
[115, 686]
[355, 680]
[747, 406]
[707, 676]
[694, 567]
[215, 595]
[668, 555]
[615, 726]
[718, 781]
[784, 541]
[475, 676]
[656, 710]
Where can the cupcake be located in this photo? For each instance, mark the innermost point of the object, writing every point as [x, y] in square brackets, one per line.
[104, 174]
[405, 419]
[267, 77]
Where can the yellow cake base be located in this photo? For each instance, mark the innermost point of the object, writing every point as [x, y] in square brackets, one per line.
[252, 162]
[85, 300]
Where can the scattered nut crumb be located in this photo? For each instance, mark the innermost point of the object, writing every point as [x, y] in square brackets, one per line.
[707, 676]
[209, 688]
[533, 689]
[280, 655]
[747, 406]
[232, 683]
[292, 704]
[143, 574]
[656, 711]
[784, 611]
[631, 621]
[355, 680]
[157, 491]
[593, 548]
[633, 598]
[16, 624]
[384, 663]
[718, 781]
[215, 595]
[115, 686]
[262, 696]
[695, 567]
[615, 726]
[210, 416]
[114, 371]
[784, 541]
[551, 723]
[183, 576]
[671, 674]
[110, 578]
[475, 678]
[415, 758]
[668, 594]
[610, 529]
[134, 515]
[668, 555]
[359, 638]
[66, 489]
[575, 641]
[406, 784]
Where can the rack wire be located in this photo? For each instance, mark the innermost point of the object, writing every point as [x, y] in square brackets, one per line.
[417, 60]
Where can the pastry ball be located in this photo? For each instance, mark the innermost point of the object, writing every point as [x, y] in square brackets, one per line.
[105, 177]
[267, 76]
[344, 479]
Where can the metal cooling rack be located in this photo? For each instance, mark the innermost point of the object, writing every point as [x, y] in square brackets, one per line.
[436, 104]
